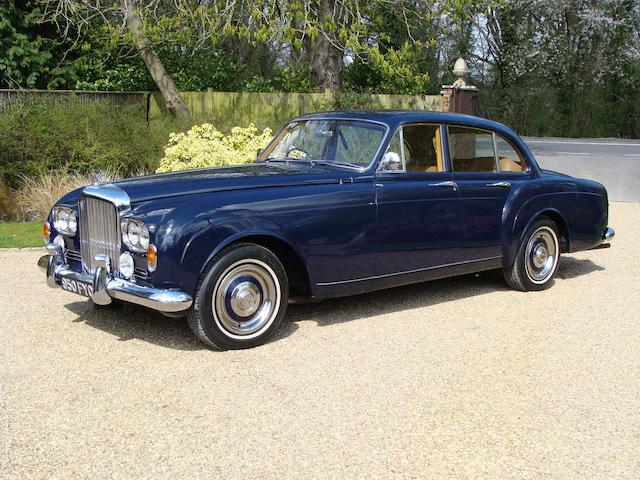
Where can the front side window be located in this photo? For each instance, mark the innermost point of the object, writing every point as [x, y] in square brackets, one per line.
[476, 150]
[341, 142]
[419, 147]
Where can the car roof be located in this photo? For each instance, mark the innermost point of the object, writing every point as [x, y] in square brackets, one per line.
[393, 118]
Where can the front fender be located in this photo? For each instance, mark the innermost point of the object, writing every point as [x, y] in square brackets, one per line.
[191, 235]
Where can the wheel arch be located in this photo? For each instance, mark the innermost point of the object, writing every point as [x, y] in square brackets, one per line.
[292, 261]
[561, 223]
[519, 231]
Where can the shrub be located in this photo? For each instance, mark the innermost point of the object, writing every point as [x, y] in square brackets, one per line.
[205, 146]
[8, 204]
[37, 195]
[79, 138]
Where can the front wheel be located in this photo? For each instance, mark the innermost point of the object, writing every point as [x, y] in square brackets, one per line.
[241, 299]
[537, 259]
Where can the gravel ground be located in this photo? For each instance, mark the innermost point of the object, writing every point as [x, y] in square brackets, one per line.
[459, 378]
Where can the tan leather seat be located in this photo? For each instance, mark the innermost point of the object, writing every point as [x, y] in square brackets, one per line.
[508, 165]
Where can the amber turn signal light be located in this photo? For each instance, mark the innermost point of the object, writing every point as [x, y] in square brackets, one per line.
[152, 258]
[46, 232]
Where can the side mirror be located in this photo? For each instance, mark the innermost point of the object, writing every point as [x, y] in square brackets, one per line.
[390, 162]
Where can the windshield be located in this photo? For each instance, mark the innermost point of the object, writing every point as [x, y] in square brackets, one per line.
[340, 142]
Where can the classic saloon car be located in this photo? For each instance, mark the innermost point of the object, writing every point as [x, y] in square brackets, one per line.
[338, 204]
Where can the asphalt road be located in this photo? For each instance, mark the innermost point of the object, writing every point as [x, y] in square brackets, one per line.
[614, 163]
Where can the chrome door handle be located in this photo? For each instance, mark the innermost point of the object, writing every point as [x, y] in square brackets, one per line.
[499, 185]
[451, 184]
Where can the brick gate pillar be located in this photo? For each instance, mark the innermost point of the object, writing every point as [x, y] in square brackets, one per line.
[460, 97]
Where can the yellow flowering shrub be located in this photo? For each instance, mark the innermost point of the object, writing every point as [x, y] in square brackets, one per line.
[206, 146]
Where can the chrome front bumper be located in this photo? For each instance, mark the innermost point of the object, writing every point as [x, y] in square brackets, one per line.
[107, 287]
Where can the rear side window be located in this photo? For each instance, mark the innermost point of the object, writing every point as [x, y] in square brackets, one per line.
[471, 150]
[476, 150]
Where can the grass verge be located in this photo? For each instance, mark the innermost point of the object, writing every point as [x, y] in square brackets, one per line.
[20, 235]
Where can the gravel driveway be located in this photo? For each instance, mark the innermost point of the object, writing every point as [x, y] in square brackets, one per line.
[459, 378]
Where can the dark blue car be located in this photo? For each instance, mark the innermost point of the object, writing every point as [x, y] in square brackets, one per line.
[338, 204]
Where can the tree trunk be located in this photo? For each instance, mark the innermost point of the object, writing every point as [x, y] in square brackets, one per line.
[172, 98]
[325, 59]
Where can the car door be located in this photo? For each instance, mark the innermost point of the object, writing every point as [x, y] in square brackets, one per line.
[486, 168]
[417, 203]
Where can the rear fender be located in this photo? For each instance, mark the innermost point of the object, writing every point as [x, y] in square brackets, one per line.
[516, 223]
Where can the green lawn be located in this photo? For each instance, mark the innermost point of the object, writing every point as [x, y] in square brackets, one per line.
[18, 235]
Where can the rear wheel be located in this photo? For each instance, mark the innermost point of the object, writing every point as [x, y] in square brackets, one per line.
[538, 257]
[241, 299]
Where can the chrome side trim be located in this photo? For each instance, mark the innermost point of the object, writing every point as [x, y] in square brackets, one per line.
[106, 287]
[417, 270]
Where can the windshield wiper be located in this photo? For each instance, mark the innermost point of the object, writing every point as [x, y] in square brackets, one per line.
[288, 159]
[338, 164]
[313, 162]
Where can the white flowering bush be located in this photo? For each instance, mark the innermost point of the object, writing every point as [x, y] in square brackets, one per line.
[206, 146]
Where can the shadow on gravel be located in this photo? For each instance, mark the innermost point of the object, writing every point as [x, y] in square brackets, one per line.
[131, 322]
[128, 322]
[339, 310]
[334, 311]
[571, 267]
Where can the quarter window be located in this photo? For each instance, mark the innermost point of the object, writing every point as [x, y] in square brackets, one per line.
[509, 159]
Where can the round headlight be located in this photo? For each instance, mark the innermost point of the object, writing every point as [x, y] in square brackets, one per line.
[126, 265]
[73, 222]
[59, 241]
[64, 220]
[133, 234]
[144, 237]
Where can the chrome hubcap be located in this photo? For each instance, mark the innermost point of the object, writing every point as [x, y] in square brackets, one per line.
[246, 299]
[541, 254]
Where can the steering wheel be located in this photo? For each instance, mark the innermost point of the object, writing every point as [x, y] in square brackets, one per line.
[298, 149]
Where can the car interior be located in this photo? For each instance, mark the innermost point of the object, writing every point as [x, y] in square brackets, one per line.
[471, 150]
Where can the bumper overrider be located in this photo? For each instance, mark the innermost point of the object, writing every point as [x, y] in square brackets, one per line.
[102, 286]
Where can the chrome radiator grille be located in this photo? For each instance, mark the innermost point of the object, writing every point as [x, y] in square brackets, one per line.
[99, 231]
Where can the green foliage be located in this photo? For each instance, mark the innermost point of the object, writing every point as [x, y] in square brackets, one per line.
[293, 79]
[25, 56]
[353, 101]
[79, 138]
[393, 72]
[575, 74]
[206, 146]
[258, 83]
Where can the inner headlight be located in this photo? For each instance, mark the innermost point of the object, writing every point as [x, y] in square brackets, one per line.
[135, 235]
[64, 220]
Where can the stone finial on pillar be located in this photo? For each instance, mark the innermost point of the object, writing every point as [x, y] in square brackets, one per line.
[460, 97]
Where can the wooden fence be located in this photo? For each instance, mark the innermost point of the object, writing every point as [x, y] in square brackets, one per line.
[273, 109]
[227, 109]
[66, 97]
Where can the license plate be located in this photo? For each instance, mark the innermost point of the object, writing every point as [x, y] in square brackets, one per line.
[75, 286]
